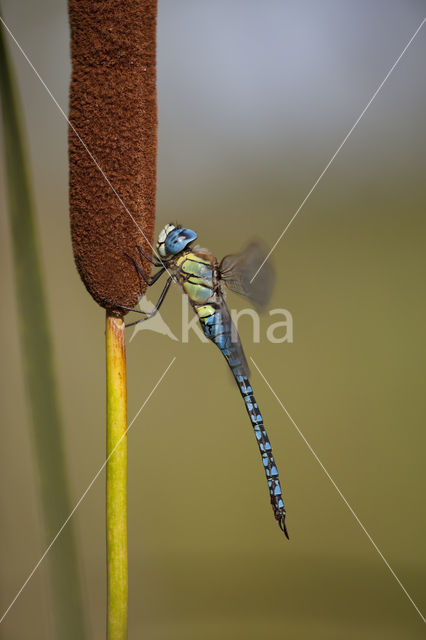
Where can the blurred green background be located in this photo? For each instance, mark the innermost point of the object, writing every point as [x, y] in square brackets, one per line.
[253, 101]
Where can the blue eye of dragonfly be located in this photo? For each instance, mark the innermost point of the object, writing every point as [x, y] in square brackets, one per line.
[172, 240]
[178, 239]
[201, 278]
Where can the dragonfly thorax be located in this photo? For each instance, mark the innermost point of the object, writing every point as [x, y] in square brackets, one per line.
[174, 239]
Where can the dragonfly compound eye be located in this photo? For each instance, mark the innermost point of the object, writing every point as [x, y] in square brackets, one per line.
[178, 239]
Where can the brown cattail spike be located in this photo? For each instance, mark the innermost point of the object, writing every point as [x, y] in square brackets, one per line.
[112, 144]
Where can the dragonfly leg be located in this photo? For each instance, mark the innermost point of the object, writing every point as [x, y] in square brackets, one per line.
[141, 272]
[155, 277]
[155, 263]
[145, 313]
[157, 306]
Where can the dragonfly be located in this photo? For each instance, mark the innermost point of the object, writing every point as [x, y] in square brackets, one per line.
[204, 281]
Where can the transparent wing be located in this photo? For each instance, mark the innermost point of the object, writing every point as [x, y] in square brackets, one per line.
[237, 270]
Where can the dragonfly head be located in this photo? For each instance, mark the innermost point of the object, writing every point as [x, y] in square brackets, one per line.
[174, 239]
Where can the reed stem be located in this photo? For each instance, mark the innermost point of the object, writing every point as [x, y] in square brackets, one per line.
[116, 480]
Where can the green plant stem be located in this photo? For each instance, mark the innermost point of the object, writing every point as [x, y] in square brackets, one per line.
[39, 371]
[116, 480]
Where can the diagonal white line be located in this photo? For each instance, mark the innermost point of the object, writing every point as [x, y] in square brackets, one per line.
[327, 166]
[92, 157]
[84, 494]
[340, 493]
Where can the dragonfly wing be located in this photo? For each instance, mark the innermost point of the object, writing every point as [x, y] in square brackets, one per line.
[237, 270]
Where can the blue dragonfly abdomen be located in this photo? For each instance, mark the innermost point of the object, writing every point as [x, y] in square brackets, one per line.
[265, 449]
[218, 327]
[199, 276]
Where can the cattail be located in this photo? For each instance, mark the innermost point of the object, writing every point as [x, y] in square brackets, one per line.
[112, 144]
[112, 152]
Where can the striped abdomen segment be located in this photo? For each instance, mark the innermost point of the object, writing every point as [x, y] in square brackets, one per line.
[218, 329]
[265, 449]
